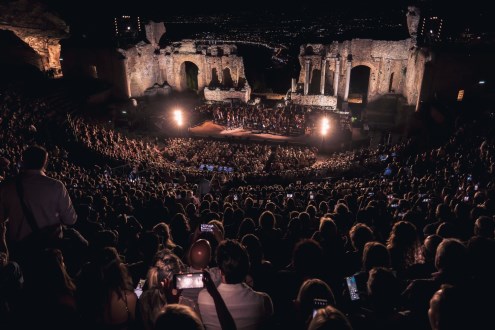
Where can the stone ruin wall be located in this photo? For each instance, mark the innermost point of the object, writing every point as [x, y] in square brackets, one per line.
[382, 57]
[147, 65]
[220, 95]
[39, 28]
[142, 68]
[315, 100]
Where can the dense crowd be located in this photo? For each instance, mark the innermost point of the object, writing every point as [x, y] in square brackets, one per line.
[408, 244]
[188, 153]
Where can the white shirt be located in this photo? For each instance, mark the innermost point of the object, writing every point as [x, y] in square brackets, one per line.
[47, 199]
[247, 307]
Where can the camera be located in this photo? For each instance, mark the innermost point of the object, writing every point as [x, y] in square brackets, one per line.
[352, 286]
[206, 228]
[318, 304]
[188, 281]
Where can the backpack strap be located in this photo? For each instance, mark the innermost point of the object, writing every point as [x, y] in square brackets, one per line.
[27, 212]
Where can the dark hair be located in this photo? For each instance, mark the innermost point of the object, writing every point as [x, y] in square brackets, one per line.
[253, 247]
[307, 257]
[247, 227]
[329, 318]
[383, 288]
[176, 316]
[360, 234]
[313, 289]
[267, 220]
[375, 254]
[34, 158]
[451, 256]
[233, 261]
[484, 226]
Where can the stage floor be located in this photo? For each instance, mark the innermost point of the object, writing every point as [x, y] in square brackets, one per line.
[209, 128]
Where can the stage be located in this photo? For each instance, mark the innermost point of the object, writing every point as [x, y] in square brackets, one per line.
[210, 129]
[326, 143]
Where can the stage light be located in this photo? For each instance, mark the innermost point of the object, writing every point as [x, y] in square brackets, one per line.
[325, 126]
[178, 117]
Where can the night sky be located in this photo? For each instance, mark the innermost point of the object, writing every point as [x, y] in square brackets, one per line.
[88, 14]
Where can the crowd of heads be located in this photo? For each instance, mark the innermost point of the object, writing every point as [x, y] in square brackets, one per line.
[418, 241]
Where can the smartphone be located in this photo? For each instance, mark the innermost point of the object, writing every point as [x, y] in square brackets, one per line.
[352, 286]
[318, 304]
[311, 195]
[371, 193]
[289, 195]
[188, 281]
[394, 206]
[298, 182]
[139, 288]
[470, 178]
[466, 198]
[476, 187]
[206, 228]
[236, 197]
[426, 200]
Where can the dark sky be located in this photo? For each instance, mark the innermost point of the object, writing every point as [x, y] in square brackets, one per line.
[87, 12]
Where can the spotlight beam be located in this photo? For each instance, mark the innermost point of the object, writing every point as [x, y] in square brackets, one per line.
[324, 126]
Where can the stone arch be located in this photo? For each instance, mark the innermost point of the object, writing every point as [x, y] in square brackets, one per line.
[391, 88]
[314, 86]
[178, 74]
[189, 76]
[309, 50]
[215, 82]
[360, 81]
[374, 75]
[329, 79]
[227, 78]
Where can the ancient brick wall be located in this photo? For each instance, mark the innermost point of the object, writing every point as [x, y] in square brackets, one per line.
[142, 68]
[218, 94]
[147, 65]
[41, 29]
[316, 100]
[384, 58]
